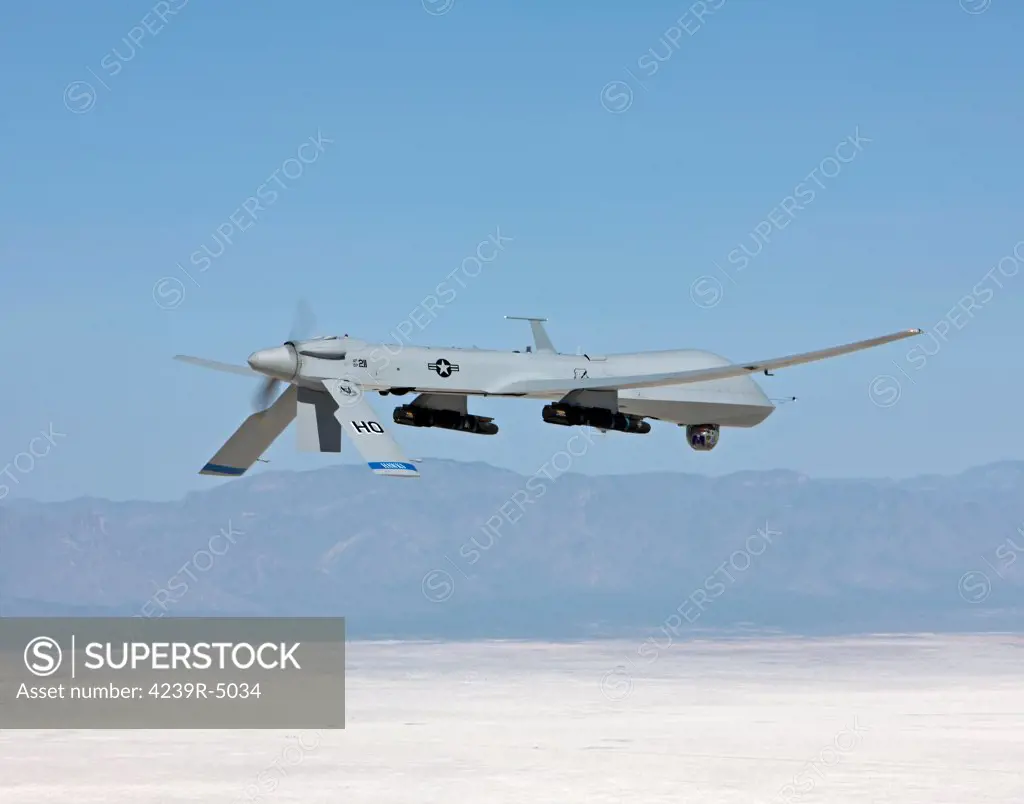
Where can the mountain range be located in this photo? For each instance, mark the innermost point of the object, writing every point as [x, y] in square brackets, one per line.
[469, 550]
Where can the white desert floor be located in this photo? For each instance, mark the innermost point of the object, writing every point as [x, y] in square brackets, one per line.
[881, 719]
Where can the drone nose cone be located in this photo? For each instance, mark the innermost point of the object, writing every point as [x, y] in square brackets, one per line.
[279, 361]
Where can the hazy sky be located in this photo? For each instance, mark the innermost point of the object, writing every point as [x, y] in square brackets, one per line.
[724, 129]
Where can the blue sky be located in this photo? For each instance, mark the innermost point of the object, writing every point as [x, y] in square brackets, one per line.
[439, 129]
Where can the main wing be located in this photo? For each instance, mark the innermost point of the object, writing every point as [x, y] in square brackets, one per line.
[378, 448]
[696, 375]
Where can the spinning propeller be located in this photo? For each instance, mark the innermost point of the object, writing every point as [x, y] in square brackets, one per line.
[279, 360]
[303, 326]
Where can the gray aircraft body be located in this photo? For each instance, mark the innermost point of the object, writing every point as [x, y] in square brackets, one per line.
[328, 378]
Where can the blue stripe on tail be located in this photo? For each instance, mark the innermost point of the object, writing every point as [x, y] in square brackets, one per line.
[216, 468]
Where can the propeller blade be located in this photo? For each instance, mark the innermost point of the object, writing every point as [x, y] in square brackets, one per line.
[216, 365]
[265, 394]
[303, 322]
[303, 328]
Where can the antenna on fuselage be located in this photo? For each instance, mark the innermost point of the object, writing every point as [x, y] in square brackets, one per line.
[540, 336]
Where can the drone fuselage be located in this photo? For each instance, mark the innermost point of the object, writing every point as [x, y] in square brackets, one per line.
[328, 379]
[730, 402]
